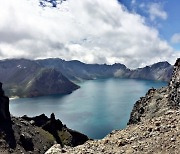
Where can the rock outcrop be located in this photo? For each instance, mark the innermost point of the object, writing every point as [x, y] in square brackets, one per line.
[4, 106]
[153, 126]
[62, 134]
[155, 103]
[32, 135]
[158, 101]
[174, 86]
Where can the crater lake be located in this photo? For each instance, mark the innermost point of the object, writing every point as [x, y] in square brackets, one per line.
[95, 109]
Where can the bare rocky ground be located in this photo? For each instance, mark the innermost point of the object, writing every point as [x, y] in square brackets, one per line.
[157, 135]
[153, 127]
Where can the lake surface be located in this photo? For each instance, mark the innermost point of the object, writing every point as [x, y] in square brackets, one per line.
[95, 109]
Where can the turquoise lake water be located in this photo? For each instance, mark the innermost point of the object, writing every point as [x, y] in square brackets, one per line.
[95, 109]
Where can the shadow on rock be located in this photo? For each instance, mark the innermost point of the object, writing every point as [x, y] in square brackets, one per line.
[6, 131]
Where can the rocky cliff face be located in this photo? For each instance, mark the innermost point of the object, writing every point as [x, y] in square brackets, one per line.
[153, 126]
[174, 86]
[4, 106]
[158, 101]
[159, 71]
[18, 135]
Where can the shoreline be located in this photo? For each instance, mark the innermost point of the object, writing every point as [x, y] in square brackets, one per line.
[15, 97]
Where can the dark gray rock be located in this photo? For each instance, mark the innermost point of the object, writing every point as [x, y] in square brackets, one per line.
[26, 141]
[60, 132]
[141, 107]
[4, 106]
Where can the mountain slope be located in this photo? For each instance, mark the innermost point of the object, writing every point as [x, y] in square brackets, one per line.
[27, 78]
[22, 77]
[159, 71]
[76, 70]
[49, 81]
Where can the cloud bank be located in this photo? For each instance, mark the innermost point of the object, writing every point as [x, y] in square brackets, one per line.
[175, 38]
[156, 11]
[95, 31]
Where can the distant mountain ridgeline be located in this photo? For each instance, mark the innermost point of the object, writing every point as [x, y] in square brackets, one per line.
[29, 78]
[77, 71]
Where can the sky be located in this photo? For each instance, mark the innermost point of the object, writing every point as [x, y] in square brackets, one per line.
[132, 32]
[162, 14]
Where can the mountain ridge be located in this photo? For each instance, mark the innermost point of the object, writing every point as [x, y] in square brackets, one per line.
[21, 78]
[70, 69]
[19, 74]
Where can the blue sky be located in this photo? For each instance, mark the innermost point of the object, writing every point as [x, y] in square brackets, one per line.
[166, 27]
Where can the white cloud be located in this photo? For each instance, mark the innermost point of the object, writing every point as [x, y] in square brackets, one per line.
[156, 11]
[95, 31]
[175, 38]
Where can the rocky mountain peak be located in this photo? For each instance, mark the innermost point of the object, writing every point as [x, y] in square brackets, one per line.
[174, 86]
